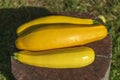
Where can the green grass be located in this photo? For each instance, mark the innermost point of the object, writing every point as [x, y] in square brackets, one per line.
[15, 12]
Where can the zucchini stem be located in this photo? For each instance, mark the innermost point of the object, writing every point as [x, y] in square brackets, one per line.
[15, 55]
[95, 22]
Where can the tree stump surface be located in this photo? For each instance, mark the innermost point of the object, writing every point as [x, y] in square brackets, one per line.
[98, 70]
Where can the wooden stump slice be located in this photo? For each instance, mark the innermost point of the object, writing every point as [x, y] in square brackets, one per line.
[98, 70]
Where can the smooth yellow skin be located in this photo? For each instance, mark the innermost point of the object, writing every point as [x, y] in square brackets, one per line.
[54, 19]
[59, 36]
[62, 58]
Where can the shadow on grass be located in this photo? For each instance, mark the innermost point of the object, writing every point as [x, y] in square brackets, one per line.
[10, 20]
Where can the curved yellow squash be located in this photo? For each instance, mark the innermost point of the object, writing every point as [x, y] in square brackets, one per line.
[62, 58]
[54, 19]
[60, 36]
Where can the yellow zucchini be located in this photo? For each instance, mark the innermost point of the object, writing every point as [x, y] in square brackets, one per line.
[60, 36]
[54, 19]
[62, 58]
